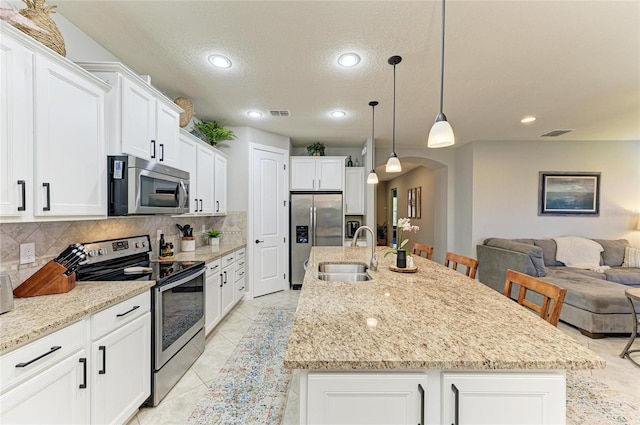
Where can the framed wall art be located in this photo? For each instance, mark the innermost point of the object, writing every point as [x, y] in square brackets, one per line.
[569, 193]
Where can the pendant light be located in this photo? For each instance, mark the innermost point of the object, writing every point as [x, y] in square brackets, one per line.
[393, 164]
[373, 177]
[441, 134]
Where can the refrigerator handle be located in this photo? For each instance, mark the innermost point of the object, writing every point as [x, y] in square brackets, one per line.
[315, 226]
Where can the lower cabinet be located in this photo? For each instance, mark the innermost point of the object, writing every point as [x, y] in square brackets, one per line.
[212, 292]
[503, 398]
[120, 377]
[365, 398]
[95, 371]
[225, 286]
[58, 395]
[432, 397]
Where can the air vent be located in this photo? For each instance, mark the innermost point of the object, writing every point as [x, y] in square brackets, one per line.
[555, 133]
[279, 113]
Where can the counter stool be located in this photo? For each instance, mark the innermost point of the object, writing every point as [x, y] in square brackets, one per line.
[419, 249]
[470, 263]
[632, 294]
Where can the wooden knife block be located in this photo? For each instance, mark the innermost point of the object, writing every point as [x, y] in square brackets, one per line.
[50, 279]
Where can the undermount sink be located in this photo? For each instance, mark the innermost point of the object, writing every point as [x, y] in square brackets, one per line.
[341, 272]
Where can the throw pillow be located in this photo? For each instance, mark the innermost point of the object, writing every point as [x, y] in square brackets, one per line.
[631, 257]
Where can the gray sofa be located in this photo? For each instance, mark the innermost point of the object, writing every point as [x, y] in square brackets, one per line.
[595, 302]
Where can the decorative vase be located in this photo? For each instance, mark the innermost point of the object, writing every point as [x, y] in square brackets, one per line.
[401, 259]
[214, 241]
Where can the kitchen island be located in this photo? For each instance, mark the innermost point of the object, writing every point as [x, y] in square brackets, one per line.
[425, 347]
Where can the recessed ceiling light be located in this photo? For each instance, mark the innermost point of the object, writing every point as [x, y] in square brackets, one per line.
[254, 114]
[527, 120]
[220, 61]
[349, 59]
[338, 114]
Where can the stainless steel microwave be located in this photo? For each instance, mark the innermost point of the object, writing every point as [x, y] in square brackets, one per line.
[138, 186]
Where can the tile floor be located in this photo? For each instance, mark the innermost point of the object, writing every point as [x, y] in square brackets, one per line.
[620, 374]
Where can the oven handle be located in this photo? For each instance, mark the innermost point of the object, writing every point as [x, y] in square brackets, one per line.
[171, 285]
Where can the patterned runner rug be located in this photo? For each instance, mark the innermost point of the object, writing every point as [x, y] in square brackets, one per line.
[253, 385]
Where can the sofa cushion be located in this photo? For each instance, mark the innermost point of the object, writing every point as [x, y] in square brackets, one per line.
[588, 293]
[613, 254]
[548, 251]
[625, 275]
[534, 253]
[631, 257]
[583, 272]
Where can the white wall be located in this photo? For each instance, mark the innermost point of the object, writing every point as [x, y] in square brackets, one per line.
[238, 169]
[505, 189]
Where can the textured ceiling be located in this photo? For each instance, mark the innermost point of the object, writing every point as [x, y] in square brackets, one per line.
[573, 64]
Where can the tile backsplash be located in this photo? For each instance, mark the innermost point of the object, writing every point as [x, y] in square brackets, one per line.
[51, 238]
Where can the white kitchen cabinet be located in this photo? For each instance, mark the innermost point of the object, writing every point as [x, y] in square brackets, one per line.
[366, 398]
[16, 120]
[59, 172]
[220, 184]
[141, 121]
[213, 293]
[317, 173]
[354, 191]
[197, 158]
[207, 169]
[120, 359]
[228, 280]
[503, 398]
[240, 274]
[57, 395]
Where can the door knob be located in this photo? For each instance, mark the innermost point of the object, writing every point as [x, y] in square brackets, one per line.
[259, 241]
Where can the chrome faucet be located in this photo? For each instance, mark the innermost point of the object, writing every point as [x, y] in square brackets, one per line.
[373, 264]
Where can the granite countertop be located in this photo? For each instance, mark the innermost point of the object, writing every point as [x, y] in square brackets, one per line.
[35, 317]
[208, 253]
[436, 318]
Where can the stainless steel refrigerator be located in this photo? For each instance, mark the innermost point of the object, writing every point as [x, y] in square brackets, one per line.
[316, 220]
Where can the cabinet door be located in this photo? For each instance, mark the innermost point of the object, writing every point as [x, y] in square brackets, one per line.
[330, 173]
[228, 288]
[220, 183]
[504, 398]
[138, 121]
[69, 143]
[188, 162]
[303, 173]
[121, 371]
[16, 136]
[205, 177]
[366, 398]
[54, 396]
[213, 290]
[354, 190]
[167, 128]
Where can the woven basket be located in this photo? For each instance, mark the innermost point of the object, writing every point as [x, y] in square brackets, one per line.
[39, 14]
[187, 107]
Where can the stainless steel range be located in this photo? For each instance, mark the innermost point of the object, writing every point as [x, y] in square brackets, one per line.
[177, 300]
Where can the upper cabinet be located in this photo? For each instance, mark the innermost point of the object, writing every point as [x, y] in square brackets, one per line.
[317, 173]
[52, 147]
[354, 191]
[207, 169]
[141, 121]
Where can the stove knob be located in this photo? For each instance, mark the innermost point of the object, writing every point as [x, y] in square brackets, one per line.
[139, 244]
[93, 253]
[102, 251]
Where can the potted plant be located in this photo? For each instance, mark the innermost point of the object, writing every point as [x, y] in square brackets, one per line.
[214, 236]
[214, 132]
[316, 149]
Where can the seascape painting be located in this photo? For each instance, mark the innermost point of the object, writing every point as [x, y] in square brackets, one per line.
[569, 193]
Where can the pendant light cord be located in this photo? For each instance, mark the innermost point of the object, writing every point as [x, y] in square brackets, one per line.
[393, 149]
[373, 142]
[441, 62]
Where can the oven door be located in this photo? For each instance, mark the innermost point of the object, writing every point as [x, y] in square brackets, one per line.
[178, 315]
[151, 192]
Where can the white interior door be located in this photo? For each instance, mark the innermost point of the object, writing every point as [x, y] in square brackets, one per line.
[269, 220]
